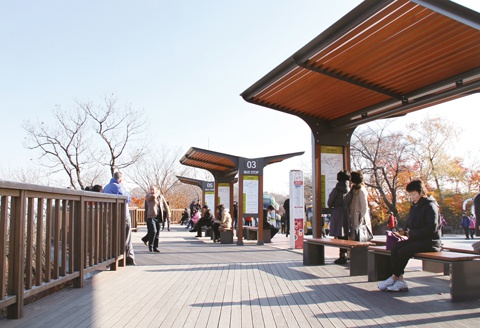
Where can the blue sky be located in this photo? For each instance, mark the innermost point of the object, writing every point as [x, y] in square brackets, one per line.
[183, 62]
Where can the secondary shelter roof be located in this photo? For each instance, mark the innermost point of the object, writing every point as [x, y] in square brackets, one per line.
[223, 165]
[383, 59]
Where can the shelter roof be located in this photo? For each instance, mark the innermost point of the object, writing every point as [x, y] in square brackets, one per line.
[190, 181]
[223, 165]
[220, 165]
[383, 59]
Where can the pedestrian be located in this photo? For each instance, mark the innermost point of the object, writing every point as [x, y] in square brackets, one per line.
[166, 217]
[422, 230]
[473, 222]
[358, 212]
[339, 219]
[392, 222]
[286, 207]
[465, 224]
[443, 224]
[152, 208]
[115, 187]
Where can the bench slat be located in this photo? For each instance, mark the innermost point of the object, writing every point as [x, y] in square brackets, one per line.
[447, 256]
[338, 242]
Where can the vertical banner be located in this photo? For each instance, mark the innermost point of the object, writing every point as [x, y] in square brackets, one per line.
[297, 209]
[224, 194]
[331, 162]
[210, 194]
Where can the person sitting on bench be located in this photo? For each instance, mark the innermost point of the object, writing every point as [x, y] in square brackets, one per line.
[223, 221]
[267, 225]
[423, 231]
[205, 220]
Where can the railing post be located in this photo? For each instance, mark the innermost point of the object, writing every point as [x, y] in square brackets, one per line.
[79, 243]
[16, 255]
[115, 233]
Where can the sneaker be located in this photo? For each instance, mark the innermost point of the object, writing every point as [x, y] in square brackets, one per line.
[385, 284]
[398, 286]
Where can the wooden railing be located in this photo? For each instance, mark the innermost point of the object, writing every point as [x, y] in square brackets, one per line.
[51, 236]
[138, 216]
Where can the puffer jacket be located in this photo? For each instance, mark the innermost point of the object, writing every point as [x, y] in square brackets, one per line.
[423, 222]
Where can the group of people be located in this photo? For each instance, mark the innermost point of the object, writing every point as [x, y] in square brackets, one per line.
[349, 208]
[221, 220]
[348, 201]
[468, 224]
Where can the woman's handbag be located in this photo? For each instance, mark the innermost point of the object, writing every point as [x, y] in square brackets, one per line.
[363, 233]
[393, 239]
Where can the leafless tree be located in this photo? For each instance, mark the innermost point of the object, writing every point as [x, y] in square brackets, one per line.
[159, 167]
[122, 131]
[63, 144]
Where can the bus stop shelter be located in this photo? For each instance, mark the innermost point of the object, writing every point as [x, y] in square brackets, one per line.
[385, 58]
[224, 168]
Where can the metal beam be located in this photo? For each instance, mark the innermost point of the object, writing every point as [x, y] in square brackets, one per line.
[349, 78]
[452, 10]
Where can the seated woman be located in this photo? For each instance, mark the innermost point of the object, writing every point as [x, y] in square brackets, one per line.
[423, 231]
[205, 220]
[223, 221]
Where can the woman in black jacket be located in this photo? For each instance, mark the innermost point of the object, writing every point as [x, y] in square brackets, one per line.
[423, 231]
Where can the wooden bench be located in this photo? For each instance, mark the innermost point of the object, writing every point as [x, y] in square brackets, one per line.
[314, 253]
[226, 236]
[464, 270]
[251, 233]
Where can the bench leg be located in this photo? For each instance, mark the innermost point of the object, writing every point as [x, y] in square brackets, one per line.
[436, 267]
[464, 282]
[313, 254]
[378, 266]
[358, 261]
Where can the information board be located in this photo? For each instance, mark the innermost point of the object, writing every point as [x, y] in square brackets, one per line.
[250, 194]
[224, 194]
[209, 191]
[331, 162]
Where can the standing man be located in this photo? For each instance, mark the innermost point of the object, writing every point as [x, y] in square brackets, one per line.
[115, 187]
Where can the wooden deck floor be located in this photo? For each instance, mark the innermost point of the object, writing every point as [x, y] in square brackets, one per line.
[195, 283]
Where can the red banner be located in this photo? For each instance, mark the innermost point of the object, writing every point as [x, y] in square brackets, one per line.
[298, 230]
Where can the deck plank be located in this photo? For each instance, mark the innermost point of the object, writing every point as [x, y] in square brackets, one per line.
[196, 283]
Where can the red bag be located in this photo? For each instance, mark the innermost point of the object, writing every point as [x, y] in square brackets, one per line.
[393, 239]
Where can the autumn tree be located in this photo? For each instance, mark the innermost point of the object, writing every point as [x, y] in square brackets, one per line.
[430, 140]
[383, 157]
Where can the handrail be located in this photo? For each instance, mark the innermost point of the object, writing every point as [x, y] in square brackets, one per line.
[50, 236]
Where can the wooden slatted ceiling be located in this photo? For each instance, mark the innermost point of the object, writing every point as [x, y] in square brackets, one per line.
[400, 49]
[208, 160]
